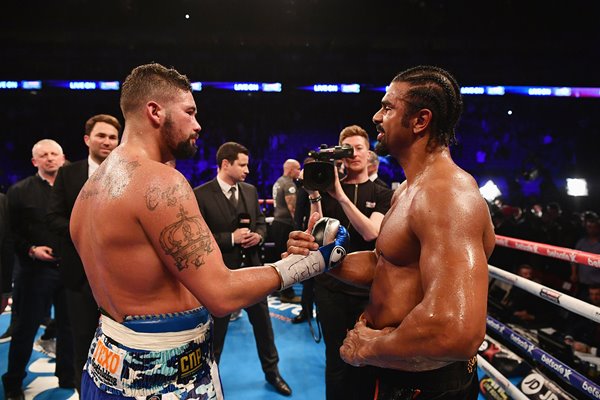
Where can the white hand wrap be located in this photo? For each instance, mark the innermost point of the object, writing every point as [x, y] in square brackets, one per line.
[297, 268]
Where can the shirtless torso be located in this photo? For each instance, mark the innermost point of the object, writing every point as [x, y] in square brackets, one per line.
[405, 260]
[129, 276]
[428, 274]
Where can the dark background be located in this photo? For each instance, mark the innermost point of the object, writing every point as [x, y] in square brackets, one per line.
[316, 41]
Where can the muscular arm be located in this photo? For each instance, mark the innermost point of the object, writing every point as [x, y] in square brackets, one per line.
[449, 322]
[357, 268]
[187, 248]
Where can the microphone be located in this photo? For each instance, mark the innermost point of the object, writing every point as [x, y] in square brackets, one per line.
[244, 220]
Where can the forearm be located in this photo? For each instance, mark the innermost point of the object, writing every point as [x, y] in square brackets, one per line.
[422, 342]
[244, 287]
[315, 203]
[357, 269]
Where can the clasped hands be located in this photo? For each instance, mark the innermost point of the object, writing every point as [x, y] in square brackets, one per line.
[245, 237]
[356, 347]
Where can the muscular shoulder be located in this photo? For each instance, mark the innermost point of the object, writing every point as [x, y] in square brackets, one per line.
[449, 199]
[163, 186]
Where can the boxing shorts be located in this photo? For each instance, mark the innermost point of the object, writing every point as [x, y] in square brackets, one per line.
[456, 381]
[167, 356]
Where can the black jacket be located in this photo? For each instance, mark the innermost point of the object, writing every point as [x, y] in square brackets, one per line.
[69, 181]
[222, 220]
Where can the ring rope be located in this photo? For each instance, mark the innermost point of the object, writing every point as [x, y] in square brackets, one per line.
[572, 304]
[561, 253]
[557, 367]
[500, 379]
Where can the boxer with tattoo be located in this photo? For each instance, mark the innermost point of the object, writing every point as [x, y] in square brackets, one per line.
[153, 265]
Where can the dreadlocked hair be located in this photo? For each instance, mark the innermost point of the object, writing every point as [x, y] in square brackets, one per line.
[435, 89]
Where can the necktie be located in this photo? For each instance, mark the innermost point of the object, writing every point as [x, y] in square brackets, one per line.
[232, 198]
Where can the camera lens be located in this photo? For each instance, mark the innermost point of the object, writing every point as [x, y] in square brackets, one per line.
[318, 175]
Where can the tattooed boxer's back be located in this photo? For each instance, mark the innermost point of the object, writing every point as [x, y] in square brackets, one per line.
[136, 223]
[110, 229]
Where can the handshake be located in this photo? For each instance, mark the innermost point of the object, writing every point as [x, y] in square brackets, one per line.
[332, 237]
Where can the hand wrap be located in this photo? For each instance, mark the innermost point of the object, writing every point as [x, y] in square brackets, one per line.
[333, 238]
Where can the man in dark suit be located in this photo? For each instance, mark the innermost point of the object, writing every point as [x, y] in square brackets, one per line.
[101, 136]
[230, 209]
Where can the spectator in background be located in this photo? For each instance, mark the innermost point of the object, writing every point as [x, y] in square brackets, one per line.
[38, 283]
[583, 334]
[525, 308]
[101, 136]
[373, 168]
[284, 203]
[583, 276]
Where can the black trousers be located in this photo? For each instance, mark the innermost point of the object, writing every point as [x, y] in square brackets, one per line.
[39, 287]
[337, 313]
[259, 317]
[84, 316]
[456, 381]
[280, 232]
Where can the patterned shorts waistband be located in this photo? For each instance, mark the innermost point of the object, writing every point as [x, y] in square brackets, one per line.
[121, 369]
[168, 322]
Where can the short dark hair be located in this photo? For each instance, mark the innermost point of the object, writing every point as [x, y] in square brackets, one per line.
[354, 130]
[109, 119]
[229, 151]
[435, 89]
[151, 81]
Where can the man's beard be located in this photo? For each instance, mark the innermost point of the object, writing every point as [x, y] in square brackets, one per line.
[184, 149]
[381, 149]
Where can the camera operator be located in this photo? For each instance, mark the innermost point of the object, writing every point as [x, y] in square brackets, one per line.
[359, 204]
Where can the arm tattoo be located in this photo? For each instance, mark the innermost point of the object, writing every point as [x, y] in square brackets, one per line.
[188, 240]
[169, 196]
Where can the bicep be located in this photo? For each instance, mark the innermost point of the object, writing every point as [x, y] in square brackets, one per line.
[452, 262]
[184, 243]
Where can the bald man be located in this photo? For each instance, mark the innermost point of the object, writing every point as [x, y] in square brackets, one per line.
[37, 284]
[284, 200]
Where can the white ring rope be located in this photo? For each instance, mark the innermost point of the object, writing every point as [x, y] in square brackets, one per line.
[565, 301]
[570, 303]
[500, 379]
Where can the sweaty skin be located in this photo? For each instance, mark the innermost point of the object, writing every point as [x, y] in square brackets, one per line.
[430, 276]
[136, 224]
[428, 273]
